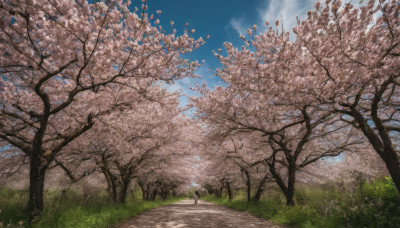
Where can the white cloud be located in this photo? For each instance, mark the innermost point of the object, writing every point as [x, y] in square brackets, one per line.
[286, 10]
[272, 10]
[239, 25]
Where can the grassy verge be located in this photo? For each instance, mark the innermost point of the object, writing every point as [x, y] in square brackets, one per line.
[70, 209]
[375, 204]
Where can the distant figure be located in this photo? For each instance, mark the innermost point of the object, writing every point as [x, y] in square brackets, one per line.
[196, 199]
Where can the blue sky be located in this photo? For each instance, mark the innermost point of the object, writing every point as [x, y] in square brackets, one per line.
[223, 20]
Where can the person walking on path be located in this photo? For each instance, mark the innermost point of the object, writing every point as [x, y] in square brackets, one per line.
[196, 199]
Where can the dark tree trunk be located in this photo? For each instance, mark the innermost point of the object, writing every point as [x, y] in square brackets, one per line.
[291, 181]
[121, 192]
[393, 166]
[217, 194]
[380, 139]
[36, 187]
[257, 196]
[114, 190]
[260, 188]
[110, 184]
[143, 190]
[37, 174]
[164, 194]
[228, 188]
[291, 185]
[248, 190]
[220, 191]
[248, 183]
[174, 193]
[121, 196]
[147, 193]
[154, 195]
[388, 155]
[392, 163]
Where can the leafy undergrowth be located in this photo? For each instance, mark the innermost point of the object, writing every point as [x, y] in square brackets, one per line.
[70, 209]
[375, 204]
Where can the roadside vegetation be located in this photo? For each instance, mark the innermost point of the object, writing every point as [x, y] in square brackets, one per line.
[369, 204]
[72, 209]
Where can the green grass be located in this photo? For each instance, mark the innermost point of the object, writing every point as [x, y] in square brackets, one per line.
[68, 209]
[12, 205]
[375, 204]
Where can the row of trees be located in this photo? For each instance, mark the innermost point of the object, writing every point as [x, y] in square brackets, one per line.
[81, 92]
[241, 163]
[289, 103]
[80, 89]
[137, 142]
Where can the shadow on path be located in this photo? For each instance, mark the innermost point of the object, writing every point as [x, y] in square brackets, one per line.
[184, 214]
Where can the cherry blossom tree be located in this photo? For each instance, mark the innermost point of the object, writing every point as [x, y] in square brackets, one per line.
[248, 152]
[57, 58]
[293, 137]
[146, 141]
[353, 60]
[308, 96]
[127, 143]
[259, 98]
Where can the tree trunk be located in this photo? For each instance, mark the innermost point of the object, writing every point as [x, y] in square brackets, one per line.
[228, 187]
[165, 194]
[217, 194]
[114, 189]
[148, 196]
[121, 192]
[260, 188]
[248, 190]
[248, 183]
[121, 196]
[393, 166]
[258, 194]
[143, 190]
[36, 186]
[291, 185]
[110, 184]
[391, 159]
[154, 195]
[381, 142]
[281, 184]
[220, 191]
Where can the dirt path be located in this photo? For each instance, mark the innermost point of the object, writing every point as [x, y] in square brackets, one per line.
[184, 214]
